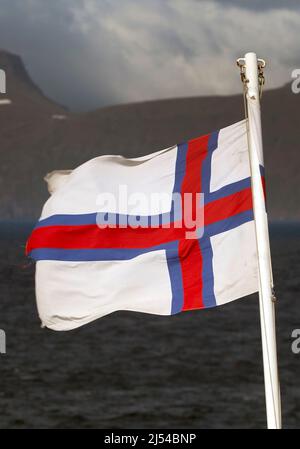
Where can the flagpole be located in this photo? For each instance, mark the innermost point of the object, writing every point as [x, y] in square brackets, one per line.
[266, 296]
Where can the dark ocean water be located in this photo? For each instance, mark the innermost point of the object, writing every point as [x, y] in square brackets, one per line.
[199, 369]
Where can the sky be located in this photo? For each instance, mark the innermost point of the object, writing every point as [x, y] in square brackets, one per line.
[92, 53]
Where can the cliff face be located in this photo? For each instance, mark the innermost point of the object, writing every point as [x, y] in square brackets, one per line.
[38, 136]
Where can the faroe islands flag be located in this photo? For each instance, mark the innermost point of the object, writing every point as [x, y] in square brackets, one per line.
[160, 234]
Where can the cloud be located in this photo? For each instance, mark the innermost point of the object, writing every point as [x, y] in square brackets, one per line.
[261, 5]
[89, 53]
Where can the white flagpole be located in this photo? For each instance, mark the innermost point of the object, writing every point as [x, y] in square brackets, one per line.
[266, 297]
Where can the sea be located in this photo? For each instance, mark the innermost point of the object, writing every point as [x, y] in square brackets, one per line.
[196, 370]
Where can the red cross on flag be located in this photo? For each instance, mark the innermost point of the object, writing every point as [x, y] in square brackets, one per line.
[162, 233]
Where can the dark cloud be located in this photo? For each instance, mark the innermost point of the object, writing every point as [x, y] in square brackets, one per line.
[89, 53]
[260, 5]
[56, 51]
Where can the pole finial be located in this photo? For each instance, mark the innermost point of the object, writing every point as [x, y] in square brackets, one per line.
[257, 79]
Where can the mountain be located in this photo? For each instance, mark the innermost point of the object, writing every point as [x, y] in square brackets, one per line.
[38, 136]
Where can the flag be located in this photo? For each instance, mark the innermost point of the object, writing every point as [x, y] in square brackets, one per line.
[164, 233]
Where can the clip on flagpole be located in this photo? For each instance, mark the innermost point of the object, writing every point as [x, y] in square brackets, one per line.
[252, 77]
